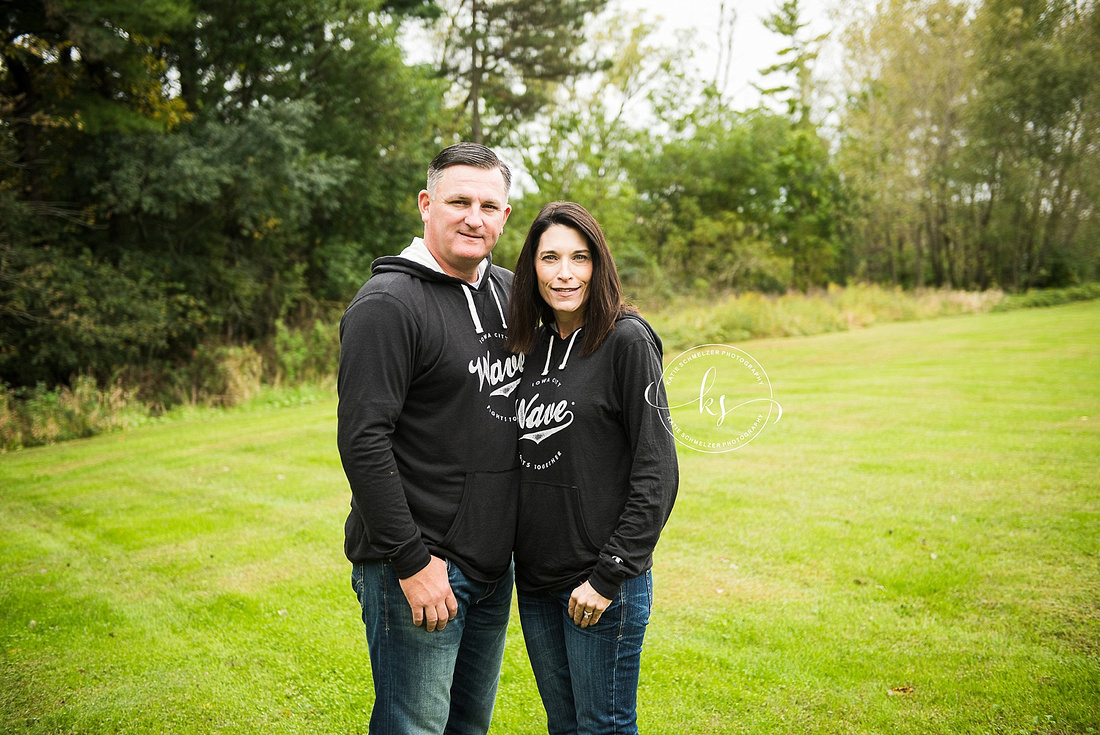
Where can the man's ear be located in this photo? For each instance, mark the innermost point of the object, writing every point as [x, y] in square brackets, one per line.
[423, 200]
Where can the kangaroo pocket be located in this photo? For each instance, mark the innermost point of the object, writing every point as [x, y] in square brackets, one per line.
[480, 539]
[553, 544]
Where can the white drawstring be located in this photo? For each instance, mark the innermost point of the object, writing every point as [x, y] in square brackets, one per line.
[473, 311]
[549, 349]
[500, 308]
[570, 348]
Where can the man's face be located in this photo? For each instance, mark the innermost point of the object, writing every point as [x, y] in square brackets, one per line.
[464, 218]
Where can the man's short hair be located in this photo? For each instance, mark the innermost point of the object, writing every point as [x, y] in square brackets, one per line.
[467, 154]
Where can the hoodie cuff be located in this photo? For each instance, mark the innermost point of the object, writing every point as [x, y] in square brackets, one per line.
[411, 561]
[606, 579]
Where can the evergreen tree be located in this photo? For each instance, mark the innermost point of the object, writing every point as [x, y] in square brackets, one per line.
[176, 173]
[504, 58]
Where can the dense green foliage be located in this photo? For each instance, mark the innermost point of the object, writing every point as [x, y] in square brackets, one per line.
[911, 550]
[180, 177]
[969, 141]
[195, 171]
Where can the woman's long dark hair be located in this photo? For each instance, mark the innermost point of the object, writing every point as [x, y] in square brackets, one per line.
[605, 295]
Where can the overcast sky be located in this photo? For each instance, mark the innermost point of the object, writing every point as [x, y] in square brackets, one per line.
[754, 47]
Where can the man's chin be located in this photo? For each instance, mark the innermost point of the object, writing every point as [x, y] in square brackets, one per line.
[473, 251]
[463, 242]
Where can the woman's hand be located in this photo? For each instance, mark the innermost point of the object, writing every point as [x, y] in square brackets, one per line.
[586, 605]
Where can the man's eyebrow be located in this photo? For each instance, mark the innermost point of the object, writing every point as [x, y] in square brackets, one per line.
[468, 197]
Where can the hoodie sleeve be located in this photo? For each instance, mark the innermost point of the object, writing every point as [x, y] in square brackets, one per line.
[378, 337]
[654, 473]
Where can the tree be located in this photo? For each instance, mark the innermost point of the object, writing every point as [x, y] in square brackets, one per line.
[579, 149]
[903, 136]
[709, 198]
[810, 203]
[181, 173]
[69, 69]
[504, 58]
[798, 57]
[70, 73]
[970, 141]
[1034, 122]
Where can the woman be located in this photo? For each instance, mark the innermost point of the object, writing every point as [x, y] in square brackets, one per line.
[598, 473]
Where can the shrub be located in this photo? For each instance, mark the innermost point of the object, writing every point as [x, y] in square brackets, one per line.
[35, 416]
[306, 355]
[228, 375]
[1051, 297]
[737, 317]
[219, 376]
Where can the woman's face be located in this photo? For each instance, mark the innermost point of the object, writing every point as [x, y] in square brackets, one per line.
[563, 267]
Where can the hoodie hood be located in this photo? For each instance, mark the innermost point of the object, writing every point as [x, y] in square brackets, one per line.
[624, 315]
[417, 261]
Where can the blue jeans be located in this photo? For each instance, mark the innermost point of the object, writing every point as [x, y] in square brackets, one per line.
[588, 677]
[439, 682]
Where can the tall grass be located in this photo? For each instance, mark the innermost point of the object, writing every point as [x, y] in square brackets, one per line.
[738, 317]
[41, 415]
[221, 376]
[1049, 297]
[305, 355]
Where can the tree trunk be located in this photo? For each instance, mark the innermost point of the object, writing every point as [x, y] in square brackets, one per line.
[935, 243]
[477, 72]
[918, 249]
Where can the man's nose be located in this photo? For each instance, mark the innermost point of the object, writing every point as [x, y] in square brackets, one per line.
[474, 216]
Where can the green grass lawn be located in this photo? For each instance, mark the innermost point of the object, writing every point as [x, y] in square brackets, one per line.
[913, 548]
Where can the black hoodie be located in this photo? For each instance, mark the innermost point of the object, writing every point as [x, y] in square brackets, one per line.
[427, 427]
[598, 463]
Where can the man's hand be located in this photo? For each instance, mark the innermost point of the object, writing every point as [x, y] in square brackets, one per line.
[430, 597]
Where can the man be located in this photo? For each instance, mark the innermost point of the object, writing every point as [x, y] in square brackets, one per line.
[427, 438]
